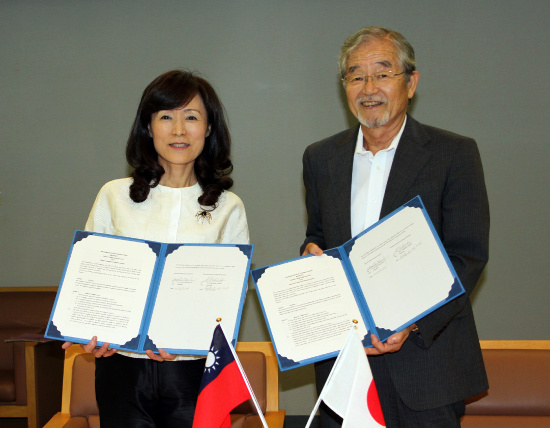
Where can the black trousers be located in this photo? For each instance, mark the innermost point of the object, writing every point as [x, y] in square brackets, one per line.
[396, 413]
[142, 393]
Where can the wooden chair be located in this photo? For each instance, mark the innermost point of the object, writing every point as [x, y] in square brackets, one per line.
[79, 408]
[31, 367]
[519, 386]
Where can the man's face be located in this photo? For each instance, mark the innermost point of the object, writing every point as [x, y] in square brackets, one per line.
[375, 103]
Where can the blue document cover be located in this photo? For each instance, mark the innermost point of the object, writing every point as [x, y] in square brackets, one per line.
[382, 280]
[140, 295]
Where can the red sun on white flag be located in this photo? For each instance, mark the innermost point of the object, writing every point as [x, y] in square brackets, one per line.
[373, 403]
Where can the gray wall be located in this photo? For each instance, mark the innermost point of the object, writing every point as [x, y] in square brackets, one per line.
[72, 73]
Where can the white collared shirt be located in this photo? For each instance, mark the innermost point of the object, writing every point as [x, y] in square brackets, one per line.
[368, 182]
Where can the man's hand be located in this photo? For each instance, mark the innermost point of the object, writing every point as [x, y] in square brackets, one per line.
[312, 248]
[393, 344]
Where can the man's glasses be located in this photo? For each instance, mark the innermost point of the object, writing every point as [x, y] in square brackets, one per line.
[379, 78]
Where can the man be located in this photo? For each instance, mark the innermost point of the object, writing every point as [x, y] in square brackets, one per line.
[423, 373]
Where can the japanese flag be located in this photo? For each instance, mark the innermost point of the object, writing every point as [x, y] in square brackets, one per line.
[350, 390]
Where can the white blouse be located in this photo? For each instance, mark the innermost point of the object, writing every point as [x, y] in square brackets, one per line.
[170, 215]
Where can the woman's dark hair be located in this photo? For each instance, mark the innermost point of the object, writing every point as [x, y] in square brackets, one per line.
[169, 91]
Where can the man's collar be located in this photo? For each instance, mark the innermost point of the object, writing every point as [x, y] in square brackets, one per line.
[359, 143]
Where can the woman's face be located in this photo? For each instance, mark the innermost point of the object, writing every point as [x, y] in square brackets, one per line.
[179, 134]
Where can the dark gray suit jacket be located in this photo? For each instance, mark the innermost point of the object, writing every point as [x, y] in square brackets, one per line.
[442, 363]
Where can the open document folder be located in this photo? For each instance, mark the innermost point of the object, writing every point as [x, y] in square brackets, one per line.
[385, 279]
[139, 295]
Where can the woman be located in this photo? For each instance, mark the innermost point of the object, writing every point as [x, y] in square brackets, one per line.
[179, 148]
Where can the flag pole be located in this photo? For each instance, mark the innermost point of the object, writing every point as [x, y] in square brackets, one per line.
[254, 399]
[318, 403]
[314, 411]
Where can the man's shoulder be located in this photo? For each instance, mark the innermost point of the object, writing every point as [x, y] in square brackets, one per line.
[440, 143]
[433, 133]
[342, 138]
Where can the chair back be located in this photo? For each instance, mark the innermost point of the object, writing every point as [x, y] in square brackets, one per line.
[519, 379]
[82, 402]
[257, 358]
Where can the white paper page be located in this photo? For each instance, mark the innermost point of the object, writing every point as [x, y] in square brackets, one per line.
[105, 289]
[199, 284]
[309, 305]
[400, 269]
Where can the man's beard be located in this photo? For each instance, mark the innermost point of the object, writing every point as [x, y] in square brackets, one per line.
[372, 123]
[376, 123]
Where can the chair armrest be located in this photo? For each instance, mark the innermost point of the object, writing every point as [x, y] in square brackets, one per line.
[275, 419]
[58, 420]
[44, 372]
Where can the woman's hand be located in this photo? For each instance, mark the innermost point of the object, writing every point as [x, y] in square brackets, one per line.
[162, 356]
[312, 248]
[92, 348]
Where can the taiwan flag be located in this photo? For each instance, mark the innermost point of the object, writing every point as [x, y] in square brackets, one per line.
[223, 386]
[350, 389]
